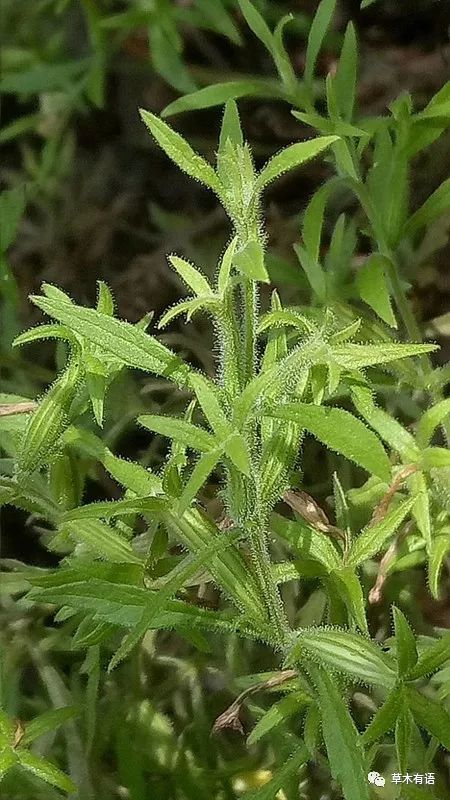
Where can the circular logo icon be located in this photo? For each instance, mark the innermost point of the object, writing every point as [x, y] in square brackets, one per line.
[376, 779]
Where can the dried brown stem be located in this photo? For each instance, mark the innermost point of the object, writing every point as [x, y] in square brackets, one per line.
[17, 408]
[231, 719]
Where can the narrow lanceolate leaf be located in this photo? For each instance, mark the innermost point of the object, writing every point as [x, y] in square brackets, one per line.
[385, 717]
[257, 24]
[371, 281]
[345, 80]
[386, 426]
[282, 776]
[431, 716]
[347, 584]
[286, 318]
[250, 261]
[191, 276]
[293, 156]
[220, 93]
[432, 418]
[342, 740]
[47, 722]
[432, 658]
[45, 770]
[236, 449]
[403, 732]
[308, 542]
[207, 396]
[277, 714]
[180, 431]
[181, 152]
[319, 27]
[356, 356]
[373, 538]
[132, 346]
[345, 652]
[199, 476]
[226, 266]
[405, 642]
[440, 546]
[340, 431]
[102, 540]
[436, 205]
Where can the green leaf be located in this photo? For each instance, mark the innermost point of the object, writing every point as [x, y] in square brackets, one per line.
[257, 24]
[313, 219]
[430, 420]
[308, 542]
[431, 716]
[433, 208]
[291, 157]
[319, 28]
[421, 509]
[342, 741]
[345, 80]
[200, 474]
[440, 546]
[45, 770]
[373, 537]
[181, 152]
[226, 266]
[165, 52]
[405, 642]
[343, 652]
[47, 722]
[340, 431]
[191, 276]
[356, 356]
[189, 307]
[220, 93]
[12, 206]
[312, 731]
[180, 430]
[250, 261]
[44, 78]
[403, 732]
[313, 271]
[286, 317]
[105, 300]
[206, 393]
[371, 281]
[8, 759]
[236, 449]
[101, 539]
[386, 426]
[435, 458]
[277, 713]
[282, 776]
[348, 586]
[230, 128]
[385, 717]
[132, 346]
[432, 658]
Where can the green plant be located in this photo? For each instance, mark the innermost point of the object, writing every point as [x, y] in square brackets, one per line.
[238, 455]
